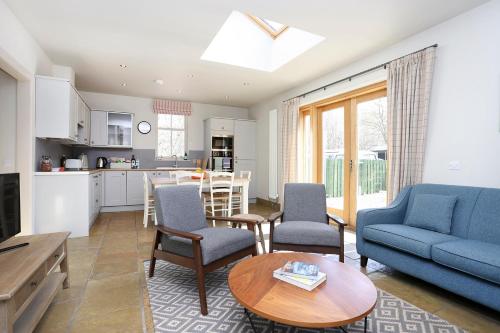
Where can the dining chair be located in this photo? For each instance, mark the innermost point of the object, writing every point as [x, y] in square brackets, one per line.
[305, 223]
[237, 196]
[219, 199]
[187, 240]
[149, 202]
[190, 178]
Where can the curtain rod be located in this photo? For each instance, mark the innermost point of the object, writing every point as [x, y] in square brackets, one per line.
[349, 78]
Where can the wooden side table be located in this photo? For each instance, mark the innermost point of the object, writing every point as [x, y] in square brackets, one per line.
[29, 280]
[259, 220]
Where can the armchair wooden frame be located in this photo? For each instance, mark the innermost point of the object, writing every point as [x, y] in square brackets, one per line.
[196, 262]
[308, 248]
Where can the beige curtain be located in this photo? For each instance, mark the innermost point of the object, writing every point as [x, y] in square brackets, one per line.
[408, 92]
[289, 124]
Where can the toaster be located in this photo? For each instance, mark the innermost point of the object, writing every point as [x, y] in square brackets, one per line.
[73, 164]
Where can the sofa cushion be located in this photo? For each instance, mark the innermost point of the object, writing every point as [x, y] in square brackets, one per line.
[216, 243]
[466, 201]
[474, 257]
[432, 212]
[485, 220]
[405, 238]
[306, 233]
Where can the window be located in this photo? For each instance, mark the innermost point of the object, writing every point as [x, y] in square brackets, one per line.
[274, 29]
[172, 136]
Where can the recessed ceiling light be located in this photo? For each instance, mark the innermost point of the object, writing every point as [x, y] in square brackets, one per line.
[246, 83]
[190, 76]
[159, 81]
[124, 84]
[123, 66]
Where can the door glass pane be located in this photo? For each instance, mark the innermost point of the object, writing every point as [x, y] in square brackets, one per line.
[372, 154]
[307, 149]
[333, 156]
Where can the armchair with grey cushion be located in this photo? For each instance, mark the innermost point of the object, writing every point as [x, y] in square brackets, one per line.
[305, 223]
[187, 240]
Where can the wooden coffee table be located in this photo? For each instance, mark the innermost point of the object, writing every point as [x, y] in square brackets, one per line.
[345, 297]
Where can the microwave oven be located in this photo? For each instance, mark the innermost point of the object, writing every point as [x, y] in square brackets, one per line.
[222, 143]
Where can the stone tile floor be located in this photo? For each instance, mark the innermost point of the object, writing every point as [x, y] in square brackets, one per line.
[108, 291]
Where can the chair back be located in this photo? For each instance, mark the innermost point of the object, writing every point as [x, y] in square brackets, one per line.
[246, 175]
[180, 207]
[222, 183]
[189, 178]
[304, 202]
[146, 186]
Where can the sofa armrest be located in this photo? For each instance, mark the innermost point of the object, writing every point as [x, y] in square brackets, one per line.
[392, 214]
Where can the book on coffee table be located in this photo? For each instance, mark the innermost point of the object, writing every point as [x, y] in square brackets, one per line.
[300, 269]
[301, 282]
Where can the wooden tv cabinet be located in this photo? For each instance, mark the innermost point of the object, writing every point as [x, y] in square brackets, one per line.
[29, 279]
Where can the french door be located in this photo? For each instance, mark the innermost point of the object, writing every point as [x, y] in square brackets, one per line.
[343, 145]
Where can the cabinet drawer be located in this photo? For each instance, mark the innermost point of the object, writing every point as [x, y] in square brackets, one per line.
[29, 287]
[51, 261]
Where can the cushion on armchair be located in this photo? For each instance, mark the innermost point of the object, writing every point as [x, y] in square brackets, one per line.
[306, 233]
[216, 243]
[405, 238]
[432, 212]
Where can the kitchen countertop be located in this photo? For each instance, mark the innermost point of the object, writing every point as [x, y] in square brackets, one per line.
[91, 171]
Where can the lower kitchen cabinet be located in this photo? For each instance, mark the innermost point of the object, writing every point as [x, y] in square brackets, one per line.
[135, 188]
[66, 202]
[115, 188]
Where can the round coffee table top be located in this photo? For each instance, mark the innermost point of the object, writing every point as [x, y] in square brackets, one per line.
[346, 296]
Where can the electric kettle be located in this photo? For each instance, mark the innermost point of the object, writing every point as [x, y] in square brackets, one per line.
[101, 162]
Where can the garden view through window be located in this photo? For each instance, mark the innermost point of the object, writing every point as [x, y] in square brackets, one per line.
[344, 146]
[171, 136]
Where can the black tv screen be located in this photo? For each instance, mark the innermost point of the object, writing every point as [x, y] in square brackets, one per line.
[10, 216]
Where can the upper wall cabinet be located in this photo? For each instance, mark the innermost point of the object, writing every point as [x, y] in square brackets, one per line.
[111, 129]
[60, 111]
[221, 126]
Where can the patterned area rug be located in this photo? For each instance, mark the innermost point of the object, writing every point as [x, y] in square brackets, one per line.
[174, 301]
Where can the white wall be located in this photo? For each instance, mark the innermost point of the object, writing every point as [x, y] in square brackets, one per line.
[142, 108]
[8, 101]
[22, 57]
[465, 103]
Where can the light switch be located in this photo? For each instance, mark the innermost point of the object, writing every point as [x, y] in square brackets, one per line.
[454, 165]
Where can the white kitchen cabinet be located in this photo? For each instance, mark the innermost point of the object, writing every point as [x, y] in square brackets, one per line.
[111, 129]
[64, 201]
[244, 139]
[56, 105]
[83, 122]
[98, 128]
[115, 188]
[221, 126]
[135, 188]
[95, 190]
[248, 165]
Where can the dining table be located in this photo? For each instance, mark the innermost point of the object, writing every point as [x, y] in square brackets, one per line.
[239, 182]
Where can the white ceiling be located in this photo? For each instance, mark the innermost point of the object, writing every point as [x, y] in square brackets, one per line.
[164, 39]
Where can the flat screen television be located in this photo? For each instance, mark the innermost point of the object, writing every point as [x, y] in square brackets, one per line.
[10, 211]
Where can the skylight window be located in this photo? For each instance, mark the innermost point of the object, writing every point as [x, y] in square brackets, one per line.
[274, 29]
[244, 40]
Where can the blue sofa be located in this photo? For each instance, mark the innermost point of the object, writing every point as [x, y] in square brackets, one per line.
[466, 261]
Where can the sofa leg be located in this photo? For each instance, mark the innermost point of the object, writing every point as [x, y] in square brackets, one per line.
[364, 261]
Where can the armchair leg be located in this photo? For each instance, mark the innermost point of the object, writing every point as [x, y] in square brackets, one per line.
[364, 261]
[201, 290]
[152, 263]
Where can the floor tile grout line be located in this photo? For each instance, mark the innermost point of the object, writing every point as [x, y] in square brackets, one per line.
[78, 307]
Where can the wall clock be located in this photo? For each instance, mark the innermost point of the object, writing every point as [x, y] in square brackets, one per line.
[144, 127]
